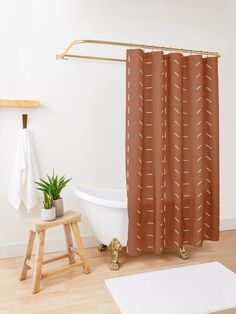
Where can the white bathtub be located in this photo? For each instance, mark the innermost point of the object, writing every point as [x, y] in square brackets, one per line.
[106, 210]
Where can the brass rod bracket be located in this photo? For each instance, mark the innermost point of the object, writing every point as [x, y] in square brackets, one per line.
[60, 57]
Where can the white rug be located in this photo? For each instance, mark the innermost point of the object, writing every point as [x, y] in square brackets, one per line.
[195, 289]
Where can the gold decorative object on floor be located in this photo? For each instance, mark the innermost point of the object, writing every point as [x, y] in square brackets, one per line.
[183, 253]
[102, 247]
[70, 222]
[115, 247]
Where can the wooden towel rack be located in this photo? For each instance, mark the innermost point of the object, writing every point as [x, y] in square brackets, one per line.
[19, 103]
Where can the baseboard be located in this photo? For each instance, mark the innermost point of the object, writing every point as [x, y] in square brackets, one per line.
[228, 224]
[55, 245]
[51, 245]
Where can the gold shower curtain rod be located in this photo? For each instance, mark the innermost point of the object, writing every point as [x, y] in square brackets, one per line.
[66, 54]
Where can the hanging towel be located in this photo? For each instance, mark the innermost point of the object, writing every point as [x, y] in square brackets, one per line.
[24, 173]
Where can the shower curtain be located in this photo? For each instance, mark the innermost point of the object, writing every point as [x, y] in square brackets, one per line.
[172, 150]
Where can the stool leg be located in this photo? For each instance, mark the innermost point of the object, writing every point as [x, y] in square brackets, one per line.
[80, 247]
[69, 243]
[27, 256]
[38, 262]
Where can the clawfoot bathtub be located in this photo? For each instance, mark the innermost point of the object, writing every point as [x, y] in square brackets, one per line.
[106, 210]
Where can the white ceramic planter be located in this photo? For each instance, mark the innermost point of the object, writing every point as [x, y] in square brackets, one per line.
[48, 214]
[59, 207]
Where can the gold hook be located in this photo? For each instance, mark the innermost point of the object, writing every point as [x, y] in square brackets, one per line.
[24, 121]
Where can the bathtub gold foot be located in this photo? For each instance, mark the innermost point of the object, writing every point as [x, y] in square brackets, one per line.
[115, 247]
[183, 253]
[102, 247]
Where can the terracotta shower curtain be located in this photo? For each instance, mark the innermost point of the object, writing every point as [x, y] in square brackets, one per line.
[172, 150]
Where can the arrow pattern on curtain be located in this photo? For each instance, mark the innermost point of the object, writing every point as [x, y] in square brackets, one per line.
[172, 150]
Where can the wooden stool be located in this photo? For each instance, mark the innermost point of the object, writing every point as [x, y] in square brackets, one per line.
[37, 226]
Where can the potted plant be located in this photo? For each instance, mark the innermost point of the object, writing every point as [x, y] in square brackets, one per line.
[54, 185]
[48, 212]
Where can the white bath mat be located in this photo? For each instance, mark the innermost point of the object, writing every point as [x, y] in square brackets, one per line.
[195, 289]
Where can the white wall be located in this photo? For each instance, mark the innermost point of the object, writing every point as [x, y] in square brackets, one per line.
[79, 130]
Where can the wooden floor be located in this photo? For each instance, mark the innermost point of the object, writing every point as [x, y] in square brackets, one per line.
[75, 292]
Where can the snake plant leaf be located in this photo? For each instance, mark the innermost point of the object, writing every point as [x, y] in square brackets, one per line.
[48, 201]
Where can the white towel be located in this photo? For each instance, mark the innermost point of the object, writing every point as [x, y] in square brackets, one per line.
[24, 173]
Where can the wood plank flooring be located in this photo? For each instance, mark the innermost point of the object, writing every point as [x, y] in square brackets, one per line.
[75, 292]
